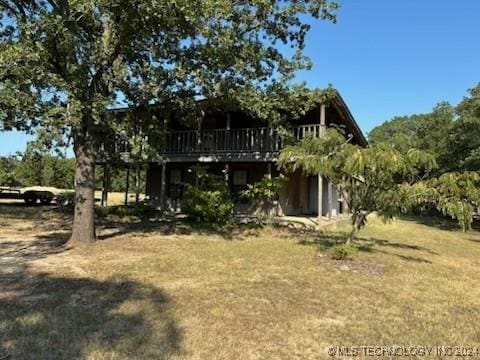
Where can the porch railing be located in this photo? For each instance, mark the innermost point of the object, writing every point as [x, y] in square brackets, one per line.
[241, 140]
[262, 139]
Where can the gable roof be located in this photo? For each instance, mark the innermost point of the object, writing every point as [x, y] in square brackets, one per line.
[343, 109]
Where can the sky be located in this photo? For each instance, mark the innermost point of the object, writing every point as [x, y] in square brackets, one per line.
[386, 57]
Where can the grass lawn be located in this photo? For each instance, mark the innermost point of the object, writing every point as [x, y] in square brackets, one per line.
[164, 291]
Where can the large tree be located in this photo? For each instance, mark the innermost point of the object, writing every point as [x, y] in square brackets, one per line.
[464, 139]
[428, 132]
[63, 63]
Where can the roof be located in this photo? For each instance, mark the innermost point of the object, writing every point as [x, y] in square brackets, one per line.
[342, 107]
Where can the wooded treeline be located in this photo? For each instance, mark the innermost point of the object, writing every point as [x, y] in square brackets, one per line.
[35, 168]
[450, 133]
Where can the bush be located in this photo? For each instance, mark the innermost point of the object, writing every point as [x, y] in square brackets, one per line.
[341, 252]
[122, 213]
[263, 196]
[209, 202]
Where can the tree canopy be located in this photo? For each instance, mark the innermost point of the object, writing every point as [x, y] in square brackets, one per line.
[64, 63]
[450, 133]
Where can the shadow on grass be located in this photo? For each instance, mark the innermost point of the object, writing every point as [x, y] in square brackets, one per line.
[325, 240]
[121, 220]
[45, 316]
[41, 246]
[50, 317]
[20, 211]
[439, 222]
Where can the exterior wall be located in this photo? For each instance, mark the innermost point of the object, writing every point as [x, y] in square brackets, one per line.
[295, 194]
[299, 195]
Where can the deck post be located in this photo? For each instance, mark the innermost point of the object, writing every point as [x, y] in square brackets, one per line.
[226, 175]
[127, 184]
[330, 200]
[269, 171]
[137, 184]
[320, 196]
[323, 118]
[105, 186]
[162, 186]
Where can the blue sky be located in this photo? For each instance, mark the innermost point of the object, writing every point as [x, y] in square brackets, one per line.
[386, 57]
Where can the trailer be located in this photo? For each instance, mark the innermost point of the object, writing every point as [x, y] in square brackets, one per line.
[31, 197]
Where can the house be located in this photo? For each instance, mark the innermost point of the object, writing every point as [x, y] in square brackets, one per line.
[243, 150]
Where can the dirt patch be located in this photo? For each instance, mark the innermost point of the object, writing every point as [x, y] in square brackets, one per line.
[352, 265]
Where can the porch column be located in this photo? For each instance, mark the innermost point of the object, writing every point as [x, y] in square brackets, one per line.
[228, 121]
[268, 175]
[320, 196]
[323, 120]
[105, 185]
[127, 183]
[162, 186]
[330, 200]
[226, 174]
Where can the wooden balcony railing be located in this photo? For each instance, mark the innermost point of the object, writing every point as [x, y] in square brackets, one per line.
[243, 140]
[233, 140]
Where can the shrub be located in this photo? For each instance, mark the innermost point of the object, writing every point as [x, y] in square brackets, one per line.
[341, 252]
[263, 194]
[208, 202]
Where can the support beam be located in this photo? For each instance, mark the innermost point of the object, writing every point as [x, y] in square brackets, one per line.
[127, 184]
[163, 186]
[268, 175]
[226, 175]
[330, 200]
[323, 119]
[137, 184]
[105, 185]
[228, 124]
[320, 196]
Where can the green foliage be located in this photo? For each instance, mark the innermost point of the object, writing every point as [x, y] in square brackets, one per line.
[449, 133]
[34, 168]
[452, 135]
[63, 64]
[373, 179]
[454, 194]
[265, 190]
[37, 169]
[8, 166]
[209, 201]
[464, 140]
[342, 251]
[262, 196]
[127, 214]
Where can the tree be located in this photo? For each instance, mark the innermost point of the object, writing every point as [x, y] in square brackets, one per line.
[373, 179]
[455, 194]
[464, 139]
[428, 132]
[64, 63]
[8, 165]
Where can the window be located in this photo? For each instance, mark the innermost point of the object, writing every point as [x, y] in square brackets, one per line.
[239, 178]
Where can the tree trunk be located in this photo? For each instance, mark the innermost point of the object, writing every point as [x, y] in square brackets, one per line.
[358, 222]
[352, 235]
[83, 231]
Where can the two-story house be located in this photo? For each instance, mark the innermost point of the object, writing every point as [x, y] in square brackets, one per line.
[243, 150]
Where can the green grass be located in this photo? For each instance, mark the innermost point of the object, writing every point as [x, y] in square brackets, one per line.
[255, 294]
